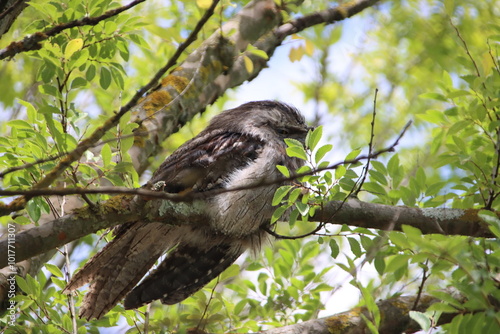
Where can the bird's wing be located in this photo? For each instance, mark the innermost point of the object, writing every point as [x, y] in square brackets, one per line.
[203, 162]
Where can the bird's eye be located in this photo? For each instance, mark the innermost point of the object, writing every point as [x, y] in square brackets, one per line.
[283, 131]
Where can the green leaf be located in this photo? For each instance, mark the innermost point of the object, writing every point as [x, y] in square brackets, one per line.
[340, 172]
[374, 188]
[313, 137]
[492, 220]
[105, 78]
[78, 82]
[79, 59]
[447, 298]
[378, 177]
[412, 233]
[73, 46]
[434, 188]
[22, 283]
[432, 116]
[277, 214]
[355, 247]
[320, 153]
[422, 319]
[421, 178]
[280, 193]
[434, 96]
[230, 272]
[110, 27]
[302, 207]
[58, 282]
[379, 263]
[22, 220]
[33, 210]
[443, 307]
[396, 263]
[257, 52]
[348, 184]
[399, 239]
[296, 152]
[30, 110]
[294, 195]
[123, 167]
[352, 155]
[283, 170]
[54, 270]
[91, 72]
[118, 78]
[106, 155]
[20, 124]
[290, 142]
[334, 248]
[47, 72]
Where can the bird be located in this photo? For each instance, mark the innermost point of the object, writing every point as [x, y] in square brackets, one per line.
[239, 149]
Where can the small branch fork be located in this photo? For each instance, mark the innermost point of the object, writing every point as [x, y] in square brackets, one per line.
[188, 197]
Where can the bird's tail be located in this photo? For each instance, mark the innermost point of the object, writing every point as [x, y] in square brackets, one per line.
[185, 270]
[119, 266]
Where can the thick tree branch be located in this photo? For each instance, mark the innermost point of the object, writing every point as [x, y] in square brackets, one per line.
[9, 11]
[387, 217]
[118, 210]
[124, 208]
[394, 313]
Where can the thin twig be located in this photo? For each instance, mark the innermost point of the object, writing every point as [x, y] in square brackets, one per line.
[208, 304]
[370, 144]
[292, 237]
[421, 286]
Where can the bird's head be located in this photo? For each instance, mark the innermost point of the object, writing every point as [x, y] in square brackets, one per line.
[269, 120]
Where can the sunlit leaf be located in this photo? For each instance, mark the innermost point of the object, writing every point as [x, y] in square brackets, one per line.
[73, 46]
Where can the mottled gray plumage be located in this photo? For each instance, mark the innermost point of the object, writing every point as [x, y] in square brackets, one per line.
[240, 147]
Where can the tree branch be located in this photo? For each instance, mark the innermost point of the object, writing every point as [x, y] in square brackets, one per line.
[124, 208]
[387, 217]
[118, 210]
[9, 11]
[32, 42]
[394, 314]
